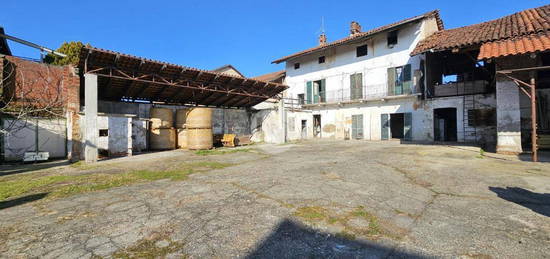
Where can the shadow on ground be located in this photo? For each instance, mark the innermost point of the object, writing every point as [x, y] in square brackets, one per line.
[9, 169]
[537, 202]
[21, 200]
[294, 240]
[543, 155]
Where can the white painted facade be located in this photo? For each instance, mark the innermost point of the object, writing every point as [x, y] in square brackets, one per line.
[340, 63]
[338, 109]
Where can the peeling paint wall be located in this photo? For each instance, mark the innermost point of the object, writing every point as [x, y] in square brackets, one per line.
[336, 121]
[139, 135]
[119, 139]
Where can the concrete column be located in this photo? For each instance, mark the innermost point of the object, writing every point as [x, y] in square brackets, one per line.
[69, 125]
[508, 117]
[91, 133]
[282, 114]
[130, 139]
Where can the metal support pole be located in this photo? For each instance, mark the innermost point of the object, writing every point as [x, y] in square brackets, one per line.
[534, 119]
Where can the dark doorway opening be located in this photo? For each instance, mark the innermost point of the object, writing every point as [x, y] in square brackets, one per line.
[445, 124]
[317, 125]
[304, 129]
[397, 124]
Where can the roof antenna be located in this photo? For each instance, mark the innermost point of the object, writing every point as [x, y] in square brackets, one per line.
[322, 35]
[322, 29]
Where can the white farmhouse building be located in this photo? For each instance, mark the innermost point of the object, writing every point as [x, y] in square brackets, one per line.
[486, 84]
[365, 86]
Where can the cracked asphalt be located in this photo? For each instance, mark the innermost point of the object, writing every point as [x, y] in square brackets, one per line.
[429, 201]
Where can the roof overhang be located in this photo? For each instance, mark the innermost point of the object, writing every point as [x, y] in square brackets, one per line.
[517, 46]
[124, 77]
[364, 35]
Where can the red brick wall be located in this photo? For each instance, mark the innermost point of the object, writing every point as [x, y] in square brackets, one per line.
[41, 84]
[45, 85]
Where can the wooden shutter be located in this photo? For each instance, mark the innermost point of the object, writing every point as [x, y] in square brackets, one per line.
[385, 126]
[391, 81]
[359, 85]
[407, 128]
[357, 126]
[323, 91]
[309, 92]
[407, 79]
[356, 86]
[352, 86]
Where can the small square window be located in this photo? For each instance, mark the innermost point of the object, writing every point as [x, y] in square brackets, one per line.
[103, 132]
[321, 59]
[392, 38]
[296, 65]
[301, 99]
[362, 50]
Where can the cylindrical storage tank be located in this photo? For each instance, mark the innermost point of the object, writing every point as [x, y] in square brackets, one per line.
[198, 139]
[199, 118]
[181, 118]
[163, 139]
[182, 138]
[161, 118]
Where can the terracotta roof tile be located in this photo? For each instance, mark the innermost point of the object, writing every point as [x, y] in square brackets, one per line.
[530, 21]
[362, 35]
[515, 46]
[271, 76]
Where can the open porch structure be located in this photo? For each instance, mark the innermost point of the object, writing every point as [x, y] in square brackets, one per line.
[113, 76]
[509, 56]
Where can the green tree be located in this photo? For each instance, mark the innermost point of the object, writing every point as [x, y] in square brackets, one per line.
[71, 49]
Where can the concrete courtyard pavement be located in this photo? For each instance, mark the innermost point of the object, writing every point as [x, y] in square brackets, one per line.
[311, 199]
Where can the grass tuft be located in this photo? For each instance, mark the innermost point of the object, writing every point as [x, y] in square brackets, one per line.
[67, 185]
[150, 248]
[313, 213]
[320, 214]
[221, 151]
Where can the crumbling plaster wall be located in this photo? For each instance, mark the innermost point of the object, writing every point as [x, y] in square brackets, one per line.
[119, 140]
[513, 118]
[336, 121]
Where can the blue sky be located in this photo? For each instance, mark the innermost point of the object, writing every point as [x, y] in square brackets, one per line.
[209, 34]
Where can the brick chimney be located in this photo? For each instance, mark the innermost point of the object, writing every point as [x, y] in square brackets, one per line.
[354, 28]
[322, 39]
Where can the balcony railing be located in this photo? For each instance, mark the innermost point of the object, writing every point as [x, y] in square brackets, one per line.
[461, 88]
[370, 92]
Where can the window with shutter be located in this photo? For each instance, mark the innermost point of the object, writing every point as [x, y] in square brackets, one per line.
[356, 86]
[391, 80]
[322, 91]
[407, 79]
[400, 80]
[309, 92]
